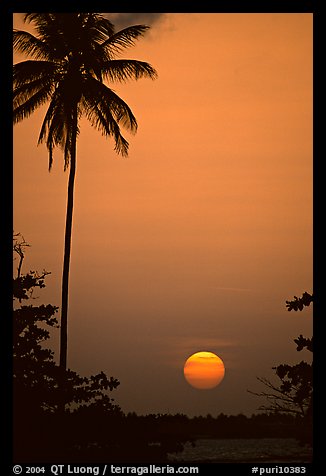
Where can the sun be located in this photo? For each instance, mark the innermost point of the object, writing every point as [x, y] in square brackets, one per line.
[204, 370]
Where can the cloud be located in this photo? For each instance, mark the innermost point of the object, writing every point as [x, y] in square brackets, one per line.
[122, 20]
[205, 344]
[178, 349]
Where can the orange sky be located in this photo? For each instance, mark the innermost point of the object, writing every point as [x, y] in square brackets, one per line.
[195, 241]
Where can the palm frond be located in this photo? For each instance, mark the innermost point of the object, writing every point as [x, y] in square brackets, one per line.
[56, 127]
[29, 80]
[53, 30]
[98, 27]
[24, 92]
[109, 103]
[38, 18]
[125, 69]
[44, 135]
[59, 135]
[123, 39]
[26, 108]
[44, 23]
[106, 124]
[26, 43]
[106, 120]
[31, 70]
[121, 144]
[48, 117]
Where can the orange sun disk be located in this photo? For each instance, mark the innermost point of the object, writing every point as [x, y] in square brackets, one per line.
[204, 370]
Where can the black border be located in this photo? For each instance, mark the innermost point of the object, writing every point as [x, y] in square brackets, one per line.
[6, 186]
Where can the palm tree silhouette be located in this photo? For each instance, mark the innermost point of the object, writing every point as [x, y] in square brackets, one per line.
[73, 54]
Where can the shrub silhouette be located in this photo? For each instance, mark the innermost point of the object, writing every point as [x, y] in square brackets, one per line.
[92, 427]
[37, 395]
[294, 394]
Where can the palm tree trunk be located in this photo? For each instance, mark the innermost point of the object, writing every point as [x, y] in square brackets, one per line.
[67, 247]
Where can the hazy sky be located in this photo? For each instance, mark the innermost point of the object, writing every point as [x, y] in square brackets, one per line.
[197, 239]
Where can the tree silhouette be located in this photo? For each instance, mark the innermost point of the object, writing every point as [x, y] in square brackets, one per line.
[294, 395]
[37, 393]
[73, 54]
[95, 428]
[297, 304]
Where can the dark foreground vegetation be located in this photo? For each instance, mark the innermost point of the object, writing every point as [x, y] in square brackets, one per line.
[93, 435]
[62, 416]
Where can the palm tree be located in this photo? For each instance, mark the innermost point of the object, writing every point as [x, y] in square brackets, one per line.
[72, 55]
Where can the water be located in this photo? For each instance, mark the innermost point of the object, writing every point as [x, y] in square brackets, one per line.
[268, 450]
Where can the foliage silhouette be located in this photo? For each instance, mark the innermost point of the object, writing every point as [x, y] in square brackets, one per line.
[92, 428]
[294, 394]
[72, 55]
[36, 390]
[297, 304]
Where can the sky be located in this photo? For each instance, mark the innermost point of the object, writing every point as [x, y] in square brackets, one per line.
[196, 240]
